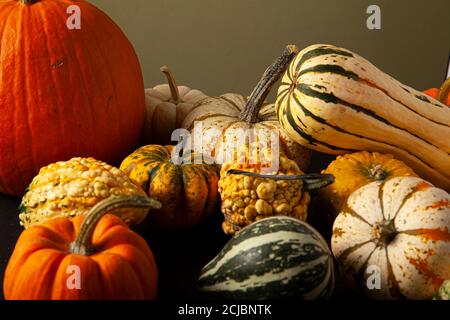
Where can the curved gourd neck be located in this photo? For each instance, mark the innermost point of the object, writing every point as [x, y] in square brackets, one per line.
[269, 78]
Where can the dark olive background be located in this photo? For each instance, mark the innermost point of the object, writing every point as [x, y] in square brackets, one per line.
[223, 46]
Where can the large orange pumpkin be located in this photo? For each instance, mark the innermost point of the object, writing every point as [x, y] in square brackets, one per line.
[63, 92]
[90, 257]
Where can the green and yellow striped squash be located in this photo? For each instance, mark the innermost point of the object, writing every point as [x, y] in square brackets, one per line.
[334, 101]
[188, 192]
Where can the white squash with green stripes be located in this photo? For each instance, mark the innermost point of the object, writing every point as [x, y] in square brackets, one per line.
[334, 101]
[274, 258]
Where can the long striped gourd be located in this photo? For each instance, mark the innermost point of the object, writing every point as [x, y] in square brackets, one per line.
[334, 101]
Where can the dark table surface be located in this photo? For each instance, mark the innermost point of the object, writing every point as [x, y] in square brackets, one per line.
[179, 255]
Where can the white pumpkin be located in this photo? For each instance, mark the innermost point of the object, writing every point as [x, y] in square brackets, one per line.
[166, 107]
[232, 122]
[393, 239]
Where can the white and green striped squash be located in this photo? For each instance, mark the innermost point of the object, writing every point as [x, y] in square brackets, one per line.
[392, 241]
[334, 101]
[274, 258]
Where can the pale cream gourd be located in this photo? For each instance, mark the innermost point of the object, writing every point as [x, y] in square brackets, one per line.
[166, 107]
[398, 230]
[230, 116]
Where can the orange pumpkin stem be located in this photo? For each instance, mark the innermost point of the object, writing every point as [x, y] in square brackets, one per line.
[83, 243]
[444, 91]
[28, 2]
[311, 181]
[262, 89]
[174, 92]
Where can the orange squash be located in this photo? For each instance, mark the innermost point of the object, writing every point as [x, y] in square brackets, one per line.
[90, 257]
[64, 93]
[442, 94]
[354, 170]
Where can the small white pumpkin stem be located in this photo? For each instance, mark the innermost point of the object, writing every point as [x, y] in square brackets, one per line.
[83, 243]
[444, 91]
[269, 78]
[174, 92]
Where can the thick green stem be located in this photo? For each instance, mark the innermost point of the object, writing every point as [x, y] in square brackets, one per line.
[174, 92]
[311, 181]
[83, 243]
[269, 78]
[444, 91]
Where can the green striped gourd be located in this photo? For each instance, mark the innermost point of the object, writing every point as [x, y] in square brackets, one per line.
[392, 240]
[273, 258]
[334, 101]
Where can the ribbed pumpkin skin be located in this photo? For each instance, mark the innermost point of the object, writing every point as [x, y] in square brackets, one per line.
[335, 101]
[163, 115]
[274, 258]
[64, 93]
[354, 170]
[122, 268]
[188, 192]
[400, 226]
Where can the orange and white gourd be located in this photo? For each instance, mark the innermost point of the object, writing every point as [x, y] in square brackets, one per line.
[399, 231]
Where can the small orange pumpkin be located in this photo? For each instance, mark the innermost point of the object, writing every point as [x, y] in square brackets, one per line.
[442, 94]
[354, 170]
[111, 261]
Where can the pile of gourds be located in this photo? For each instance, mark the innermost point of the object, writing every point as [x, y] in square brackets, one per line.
[391, 141]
